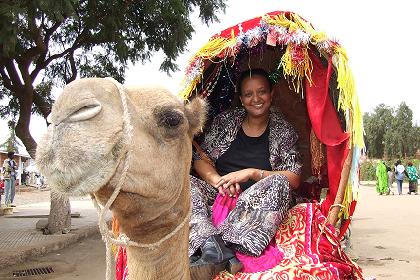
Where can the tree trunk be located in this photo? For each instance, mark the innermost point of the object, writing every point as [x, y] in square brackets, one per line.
[59, 220]
[22, 126]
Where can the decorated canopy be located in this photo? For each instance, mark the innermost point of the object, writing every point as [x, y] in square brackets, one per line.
[314, 88]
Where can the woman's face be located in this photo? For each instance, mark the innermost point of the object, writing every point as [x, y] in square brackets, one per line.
[256, 96]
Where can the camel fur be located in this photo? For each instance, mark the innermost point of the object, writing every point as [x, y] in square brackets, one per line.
[85, 148]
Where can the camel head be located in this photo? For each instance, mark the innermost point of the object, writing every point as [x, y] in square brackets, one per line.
[90, 137]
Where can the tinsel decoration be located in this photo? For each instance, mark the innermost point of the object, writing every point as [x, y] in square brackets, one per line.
[275, 74]
[210, 83]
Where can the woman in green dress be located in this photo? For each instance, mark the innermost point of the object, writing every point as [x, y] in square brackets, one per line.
[381, 178]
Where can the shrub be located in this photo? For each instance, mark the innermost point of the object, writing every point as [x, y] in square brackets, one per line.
[368, 171]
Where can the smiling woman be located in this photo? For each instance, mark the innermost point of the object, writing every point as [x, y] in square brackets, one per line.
[257, 164]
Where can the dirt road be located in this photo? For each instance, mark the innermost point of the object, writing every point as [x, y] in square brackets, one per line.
[386, 234]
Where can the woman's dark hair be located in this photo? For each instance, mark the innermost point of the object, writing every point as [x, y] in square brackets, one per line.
[410, 163]
[253, 72]
[10, 154]
[398, 162]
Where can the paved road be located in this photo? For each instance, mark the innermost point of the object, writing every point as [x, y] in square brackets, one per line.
[19, 240]
[384, 240]
[386, 235]
[83, 260]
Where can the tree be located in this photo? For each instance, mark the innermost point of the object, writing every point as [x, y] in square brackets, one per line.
[46, 43]
[399, 140]
[377, 124]
[390, 132]
[12, 142]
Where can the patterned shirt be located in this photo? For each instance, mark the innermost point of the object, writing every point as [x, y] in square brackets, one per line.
[282, 139]
[412, 173]
[9, 168]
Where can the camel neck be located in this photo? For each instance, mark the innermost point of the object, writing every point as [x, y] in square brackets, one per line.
[167, 261]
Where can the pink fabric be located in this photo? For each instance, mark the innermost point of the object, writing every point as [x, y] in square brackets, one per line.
[270, 256]
[221, 208]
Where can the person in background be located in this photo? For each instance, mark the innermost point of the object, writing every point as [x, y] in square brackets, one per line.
[1, 186]
[390, 180]
[23, 178]
[9, 172]
[381, 178]
[413, 176]
[399, 175]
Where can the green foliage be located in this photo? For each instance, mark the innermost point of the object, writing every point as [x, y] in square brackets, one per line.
[376, 125]
[368, 171]
[11, 143]
[43, 89]
[66, 39]
[390, 132]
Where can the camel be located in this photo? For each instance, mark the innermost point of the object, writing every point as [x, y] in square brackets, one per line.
[105, 136]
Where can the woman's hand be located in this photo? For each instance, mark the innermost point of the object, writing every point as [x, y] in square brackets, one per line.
[229, 183]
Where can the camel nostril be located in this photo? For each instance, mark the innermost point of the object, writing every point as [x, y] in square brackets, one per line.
[85, 113]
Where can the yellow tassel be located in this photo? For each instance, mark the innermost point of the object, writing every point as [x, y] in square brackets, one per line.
[297, 67]
[358, 124]
[345, 81]
[217, 47]
[348, 101]
[294, 24]
[281, 20]
[188, 89]
[347, 199]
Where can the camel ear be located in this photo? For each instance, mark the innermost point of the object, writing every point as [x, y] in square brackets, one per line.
[196, 113]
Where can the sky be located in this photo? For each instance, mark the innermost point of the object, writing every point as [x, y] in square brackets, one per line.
[381, 39]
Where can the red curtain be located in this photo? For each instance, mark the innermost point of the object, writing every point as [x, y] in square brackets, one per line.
[326, 125]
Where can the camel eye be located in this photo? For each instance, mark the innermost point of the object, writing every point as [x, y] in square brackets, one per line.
[170, 118]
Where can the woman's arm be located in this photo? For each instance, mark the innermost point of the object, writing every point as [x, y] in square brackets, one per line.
[230, 181]
[207, 172]
[259, 174]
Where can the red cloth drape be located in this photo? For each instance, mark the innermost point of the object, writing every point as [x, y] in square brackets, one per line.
[326, 125]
